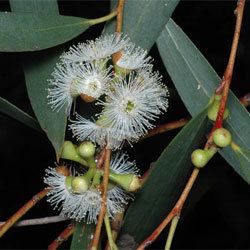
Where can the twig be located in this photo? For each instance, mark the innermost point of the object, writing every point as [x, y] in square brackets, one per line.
[174, 212]
[119, 17]
[224, 88]
[116, 225]
[101, 159]
[103, 19]
[103, 210]
[23, 210]
[119, 20]
[171, 232]
[244, 100]
[38, 221]
[66, 233]
[166, 127]
[227, 77]
[111, 241]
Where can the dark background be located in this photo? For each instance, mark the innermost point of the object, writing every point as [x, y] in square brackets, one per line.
[220, 219]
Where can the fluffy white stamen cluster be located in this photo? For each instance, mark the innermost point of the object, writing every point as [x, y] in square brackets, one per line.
[132, 105]
[133, 58]
[87, 206]
[102, 48]
[132, 96]
[71, 80]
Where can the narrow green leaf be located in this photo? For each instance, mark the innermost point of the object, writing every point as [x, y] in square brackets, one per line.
[167, 180]
[35, 6]
[144, 20]
[31, 32]
[82, 236]
[196, 80]
[11, 110]
[37, 69]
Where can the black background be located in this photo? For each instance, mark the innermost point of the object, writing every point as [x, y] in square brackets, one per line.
[221, 217]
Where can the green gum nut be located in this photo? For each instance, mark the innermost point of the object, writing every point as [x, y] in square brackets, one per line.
[79, 184]
[86, 149]
[222, 137]
[129, 182]
[69, 152]
[214, 108]
[199, 158]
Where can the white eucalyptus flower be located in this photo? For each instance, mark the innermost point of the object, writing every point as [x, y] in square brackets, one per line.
[131, 107]
[84, 129]
[134, 58]
[86, 206]
[159, 94]
[71, 80]
[58, 193]
[102, 48]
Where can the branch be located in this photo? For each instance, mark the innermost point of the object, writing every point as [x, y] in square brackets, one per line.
[116, 225]
[103, 210]
[174, 212]
[23, 210]
[66, 233]
[38, 221]
[227, 77]
[166, 127]
[224, 89]
[119, 17]
[171, 232]
[118, 28]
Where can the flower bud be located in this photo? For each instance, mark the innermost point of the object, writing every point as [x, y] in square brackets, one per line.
[129, 182]
[86, 149]
[214, 108]
[79, 184]
[199, 158]
[69, 152]
[222, 137]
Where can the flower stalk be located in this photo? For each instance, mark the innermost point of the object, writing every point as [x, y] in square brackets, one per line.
[103, 210]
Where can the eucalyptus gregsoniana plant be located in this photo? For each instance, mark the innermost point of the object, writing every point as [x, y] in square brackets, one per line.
[96, 98]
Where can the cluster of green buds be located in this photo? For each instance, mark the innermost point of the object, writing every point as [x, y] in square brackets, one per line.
[85, 154]
[221, 136]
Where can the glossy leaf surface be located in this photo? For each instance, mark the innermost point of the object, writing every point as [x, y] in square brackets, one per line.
[37, 69]
[82, 236]
[23, 31]
[195, 81]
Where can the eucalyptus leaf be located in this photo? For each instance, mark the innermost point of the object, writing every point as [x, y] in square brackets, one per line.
[166, 182]
[37, 69]
[195, 81]
[35, 6]
[25, 31]
[11, 110]
[82, 236]
[144, 20]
